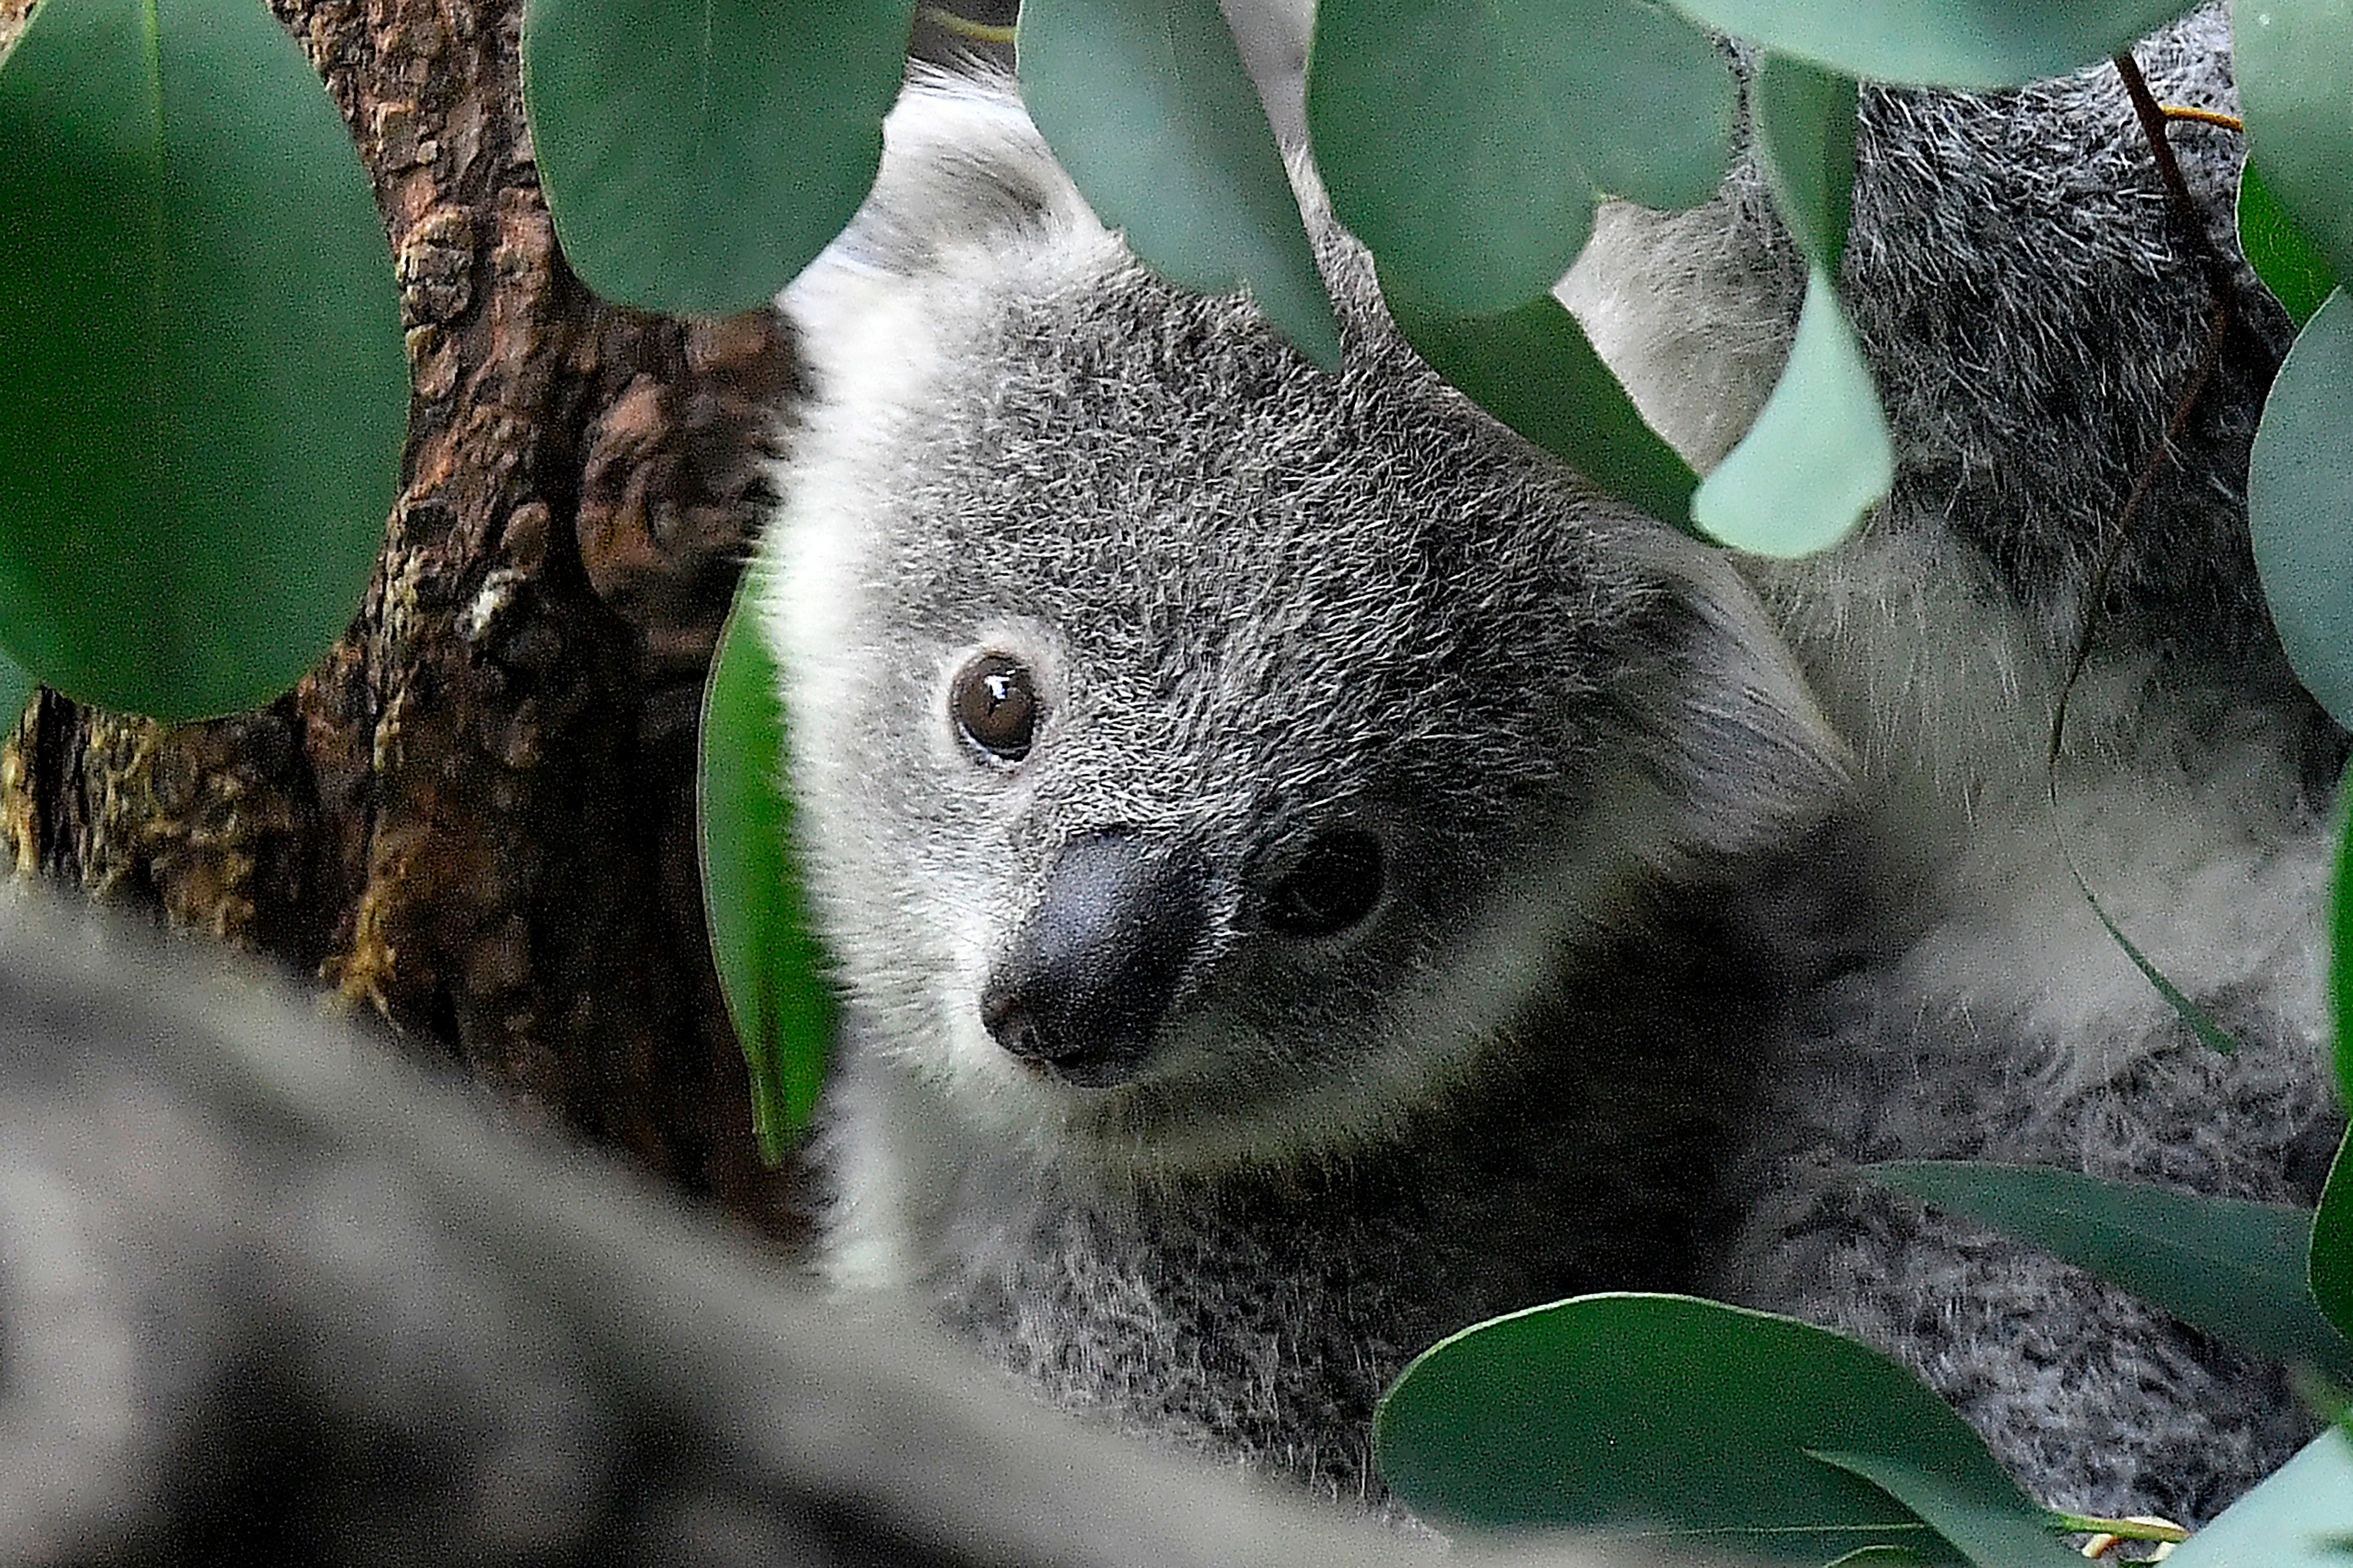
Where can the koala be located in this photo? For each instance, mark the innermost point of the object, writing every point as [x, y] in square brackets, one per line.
[1307, 872]
[2037, 314]
[1257, 814]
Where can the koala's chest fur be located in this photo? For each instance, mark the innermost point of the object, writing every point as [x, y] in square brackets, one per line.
[1261, 1312]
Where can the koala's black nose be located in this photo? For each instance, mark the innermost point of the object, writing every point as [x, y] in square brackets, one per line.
[1091, 975]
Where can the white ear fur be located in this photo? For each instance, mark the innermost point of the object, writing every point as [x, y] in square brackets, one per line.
[1727, 722]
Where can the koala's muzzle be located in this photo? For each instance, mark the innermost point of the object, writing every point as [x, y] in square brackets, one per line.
[1092, 974]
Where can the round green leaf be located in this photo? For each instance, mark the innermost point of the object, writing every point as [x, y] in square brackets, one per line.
[1146, 105]
[696, 156]
[1466, 142]
[2299, 495]
[2293, 63]
[769, 966]
[202, 387]
[2330, 1264]
[2298, 276]
[1535, 369]
[2229, 1266]
[1668, 1416]
[1947, 43]
[2302, 1516]
[1819, 457]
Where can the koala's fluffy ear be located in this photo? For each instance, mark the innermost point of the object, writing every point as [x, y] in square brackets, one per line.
[1726, 723]
[963, 176]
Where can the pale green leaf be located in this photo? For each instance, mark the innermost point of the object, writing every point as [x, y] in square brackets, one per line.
[1146, 105]
[1819, 457]
[1945, 43]
[2302, 1516]
[2299, 495]
[1466, 142]
[2293, 61]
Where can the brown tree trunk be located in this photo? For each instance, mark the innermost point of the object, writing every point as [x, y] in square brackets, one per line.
[475, 815]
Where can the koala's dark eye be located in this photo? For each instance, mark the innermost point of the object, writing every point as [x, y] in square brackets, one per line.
[1335, 884]
[995, 706]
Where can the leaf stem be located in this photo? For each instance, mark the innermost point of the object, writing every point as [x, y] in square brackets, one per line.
[964, 27]
[2204, 116]
[2220, 320]
[2135, 1527]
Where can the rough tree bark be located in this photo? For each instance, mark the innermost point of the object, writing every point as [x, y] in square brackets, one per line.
[475, 815]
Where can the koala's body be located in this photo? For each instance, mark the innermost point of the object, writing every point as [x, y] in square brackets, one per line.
[2037, 317]
[1254, 812]
[1308, 873]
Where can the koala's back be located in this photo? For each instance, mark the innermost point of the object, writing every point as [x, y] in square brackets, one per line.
[2048, 342]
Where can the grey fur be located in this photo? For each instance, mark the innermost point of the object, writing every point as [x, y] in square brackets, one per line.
[1652, 970]
[2035, 315]
[269, 1294]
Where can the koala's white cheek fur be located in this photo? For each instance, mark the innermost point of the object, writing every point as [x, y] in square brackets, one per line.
[1694, 311]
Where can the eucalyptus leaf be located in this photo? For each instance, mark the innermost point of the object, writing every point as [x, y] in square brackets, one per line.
[1804, 125]
[1147, 106]
[1535, 369]
[1989, 1534]
[696, 156]
[2299, 493]
[769, 966]
[206, 384]
[1819, 457]
[2301, 1517]
[1942, 43]
[2331, 1261]
[2233, 1267]
[2294, 271]
[1669, 1417]
[1468, 143]
[2293, 61]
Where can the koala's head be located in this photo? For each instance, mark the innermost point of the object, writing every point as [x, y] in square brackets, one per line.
[1201, 755]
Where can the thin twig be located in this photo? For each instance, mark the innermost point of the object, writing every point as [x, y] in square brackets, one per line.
[2152, 117]
[2205, 117]
[2221, 318]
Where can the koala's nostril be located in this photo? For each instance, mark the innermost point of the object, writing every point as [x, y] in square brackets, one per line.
[1333, 886]
[1090, 977]
[1007, 1020]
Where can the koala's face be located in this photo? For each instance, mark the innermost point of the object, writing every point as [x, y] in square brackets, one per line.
[1199, 753]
